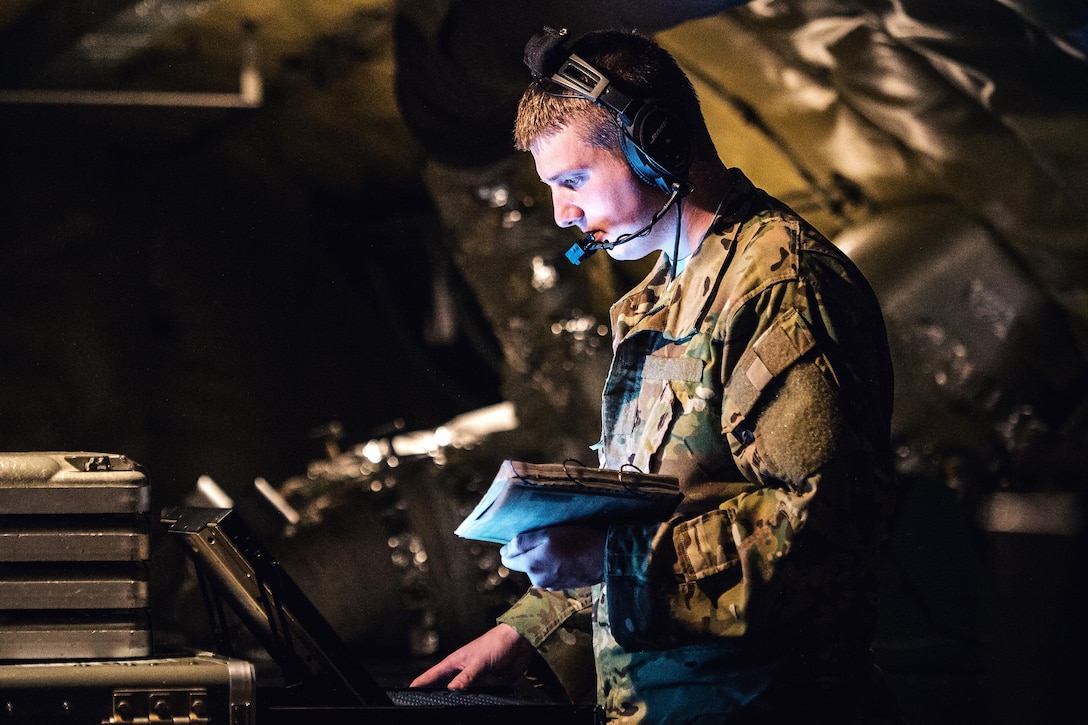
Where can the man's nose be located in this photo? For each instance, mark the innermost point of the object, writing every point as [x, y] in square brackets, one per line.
[567, 214]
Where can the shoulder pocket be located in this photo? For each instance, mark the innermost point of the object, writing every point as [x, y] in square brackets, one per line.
[779, 347]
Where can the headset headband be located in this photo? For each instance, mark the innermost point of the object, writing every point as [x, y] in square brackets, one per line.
[655, 140]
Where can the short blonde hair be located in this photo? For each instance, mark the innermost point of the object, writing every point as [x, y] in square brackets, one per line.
[543, 112]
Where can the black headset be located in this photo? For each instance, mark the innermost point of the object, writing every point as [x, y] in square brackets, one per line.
[655, 140]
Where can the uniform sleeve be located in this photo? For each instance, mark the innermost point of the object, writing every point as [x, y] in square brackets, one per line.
[795, 542]
[557, 624]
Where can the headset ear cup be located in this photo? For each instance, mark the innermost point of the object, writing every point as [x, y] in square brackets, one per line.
[657, 145]
[641, 165]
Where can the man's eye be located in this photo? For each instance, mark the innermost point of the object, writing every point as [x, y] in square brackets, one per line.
[573, 182]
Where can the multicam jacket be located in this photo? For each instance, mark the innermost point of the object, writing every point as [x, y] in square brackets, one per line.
[760, 376]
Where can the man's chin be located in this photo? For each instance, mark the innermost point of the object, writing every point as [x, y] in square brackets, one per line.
[628, 253]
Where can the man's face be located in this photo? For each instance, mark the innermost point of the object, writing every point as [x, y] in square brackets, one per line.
[596, 191]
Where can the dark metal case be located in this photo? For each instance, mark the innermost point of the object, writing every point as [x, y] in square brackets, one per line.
[201, 688]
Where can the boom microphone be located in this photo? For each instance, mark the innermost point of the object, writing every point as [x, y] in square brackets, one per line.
[584, 249]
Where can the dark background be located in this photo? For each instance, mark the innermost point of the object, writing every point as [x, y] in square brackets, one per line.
[207, 289]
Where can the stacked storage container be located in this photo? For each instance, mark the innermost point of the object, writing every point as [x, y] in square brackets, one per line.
[74, 557]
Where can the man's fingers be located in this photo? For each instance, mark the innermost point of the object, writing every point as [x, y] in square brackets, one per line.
[500, 654]
[522, 543]
[463, 679]
[437, 674]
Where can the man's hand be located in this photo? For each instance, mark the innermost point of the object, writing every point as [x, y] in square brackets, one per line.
[499, 656]
[558, 557]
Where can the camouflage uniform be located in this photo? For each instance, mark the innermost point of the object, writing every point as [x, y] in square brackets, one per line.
[761, 378]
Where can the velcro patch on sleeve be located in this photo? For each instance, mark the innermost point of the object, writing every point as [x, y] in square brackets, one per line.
[779, 347]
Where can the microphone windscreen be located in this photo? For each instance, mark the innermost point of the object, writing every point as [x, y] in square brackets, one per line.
[578, 254]
[544, 52]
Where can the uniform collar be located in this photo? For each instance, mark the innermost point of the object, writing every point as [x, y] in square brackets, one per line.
[676, 308]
